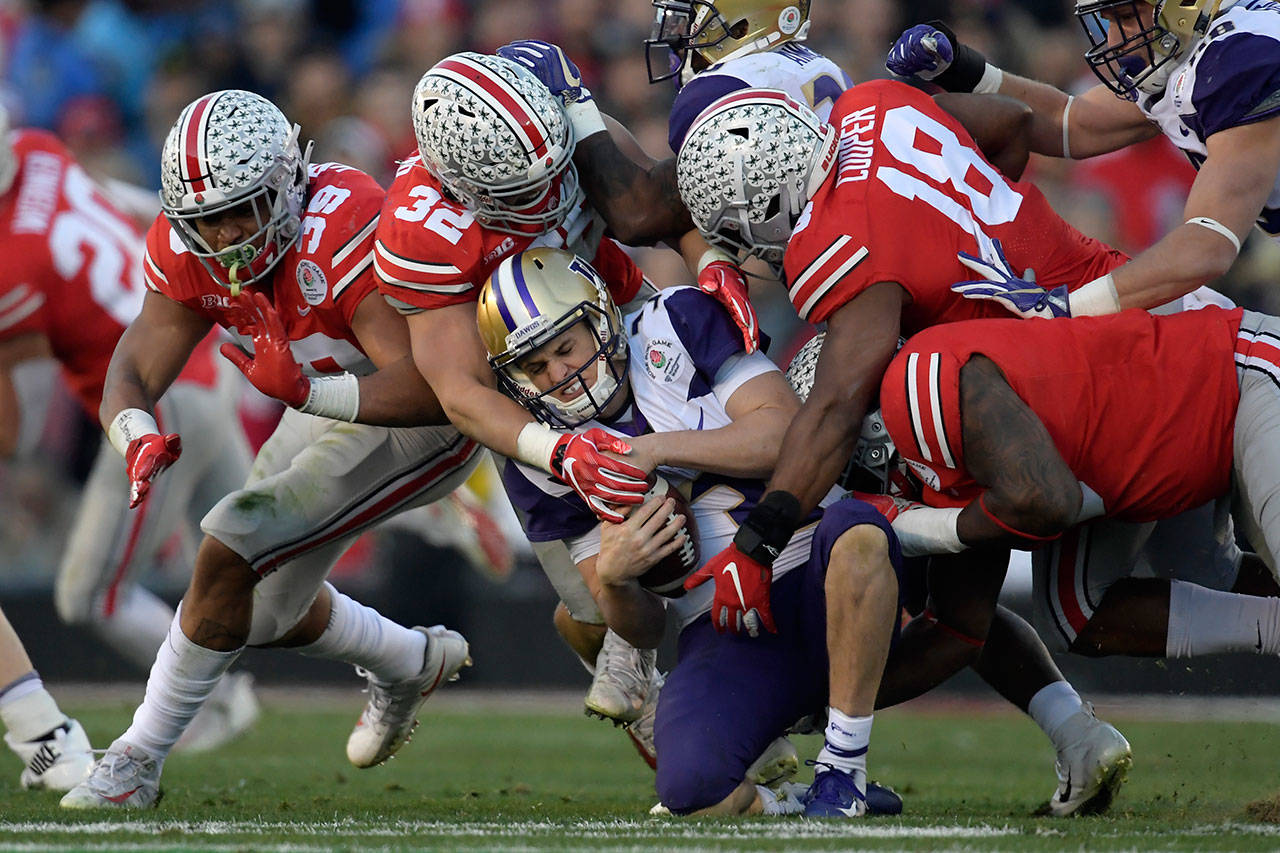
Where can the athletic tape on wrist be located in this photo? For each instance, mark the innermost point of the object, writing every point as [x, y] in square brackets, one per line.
[1095, 298]
[535, 444]
[585, 117]
[128, 425]
[990, 81]
[1217, 227]
[336, 397]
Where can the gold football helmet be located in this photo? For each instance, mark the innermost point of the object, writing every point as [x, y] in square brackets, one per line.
[717, 31]
[1139, 58]
[530, 300]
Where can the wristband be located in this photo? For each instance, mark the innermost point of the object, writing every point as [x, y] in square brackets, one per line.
[535, 444]
[990, 81]
[584, 116]
[1216, 227]
[1066, 124]
[768, 527]
[1008, 528]
[128, 425]
[711, 256]
[927, 530]
[1095, 299]
[336, 397]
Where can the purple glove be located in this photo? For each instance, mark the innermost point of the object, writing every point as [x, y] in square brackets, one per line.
[923, 51]
[551, 66]
[1018, 294]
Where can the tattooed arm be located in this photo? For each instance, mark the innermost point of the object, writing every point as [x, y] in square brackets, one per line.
[1030, 488]
[636, 195]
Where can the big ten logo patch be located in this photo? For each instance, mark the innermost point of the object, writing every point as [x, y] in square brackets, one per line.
[311, 282]
[662, 361]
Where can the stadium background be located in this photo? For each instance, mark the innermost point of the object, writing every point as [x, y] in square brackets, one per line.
[109, 77]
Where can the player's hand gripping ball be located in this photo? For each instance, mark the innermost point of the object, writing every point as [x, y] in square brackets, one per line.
[666, 578]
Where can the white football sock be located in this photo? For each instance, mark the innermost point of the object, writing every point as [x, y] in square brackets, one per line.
[182, 677]
[1052, 706]
[1206, 621]
[846, 742]
[362, 636]
[27, 710]
[137, 626]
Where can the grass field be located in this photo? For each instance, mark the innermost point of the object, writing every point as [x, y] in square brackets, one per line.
[489, 776]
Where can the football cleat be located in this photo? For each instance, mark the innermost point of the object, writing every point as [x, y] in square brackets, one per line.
[641, 730]
[1091, 769]
[127, 777]
[390, 716]
[882, 800]
[623, 677]
[58, 760]
[777, 764]
[230, 711]
[834, 794]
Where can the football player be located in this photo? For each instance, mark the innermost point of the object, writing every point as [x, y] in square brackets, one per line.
[53, 746]
[674, 382]
[74, 281]
[494, 175]
[1179, 409]
[1205, 73]
[279, 252]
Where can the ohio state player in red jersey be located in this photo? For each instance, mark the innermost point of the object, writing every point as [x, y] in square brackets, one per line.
[73, 282]
[280, 254]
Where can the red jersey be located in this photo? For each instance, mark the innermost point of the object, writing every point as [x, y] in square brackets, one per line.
[910, 189]
[1141, 407]
[431, 252]
[315, 288]
[73, 266]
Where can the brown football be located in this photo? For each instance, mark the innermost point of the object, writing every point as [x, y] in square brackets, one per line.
[667, 577]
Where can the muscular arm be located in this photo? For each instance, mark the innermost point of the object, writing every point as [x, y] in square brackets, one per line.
[150, 355]
[448, 352]
[1231, 188]
[12, 352]
[1000, 125]
[396, 394]
[638, 200]
[635, 614]
[861, 338]
[1007, 449]
[749, 446]
[1099, 121]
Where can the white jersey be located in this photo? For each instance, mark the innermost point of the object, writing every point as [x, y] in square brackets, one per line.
[1230, 78]
[686, 361]
[805, 75]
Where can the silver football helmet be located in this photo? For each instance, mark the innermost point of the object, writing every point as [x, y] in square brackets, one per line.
[8, 160]
[748, 167]
[234, 150]
[497, 141]
[530, 300]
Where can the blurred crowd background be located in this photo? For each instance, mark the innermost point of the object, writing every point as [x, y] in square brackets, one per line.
[110, 77]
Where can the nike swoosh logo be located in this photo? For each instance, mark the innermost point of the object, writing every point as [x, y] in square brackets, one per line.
[1259, 636]
[439, 674]
[302, 313]
[732, 571]
[120, 798]
[1066, 790]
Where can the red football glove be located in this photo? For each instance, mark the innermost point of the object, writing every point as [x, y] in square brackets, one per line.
[888, 505]
[741, 601]
[144, 459]
[728, 285]
[272, 368]
[599, 480]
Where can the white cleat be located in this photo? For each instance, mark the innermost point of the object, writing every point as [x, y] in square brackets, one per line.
[230, 711]
[776, 765]
[1092, 769]
[58, 760]
[127, 777]
[623, 673]
[641, 730]
[389, 718]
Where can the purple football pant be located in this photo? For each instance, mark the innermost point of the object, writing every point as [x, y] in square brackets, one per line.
[728, 697]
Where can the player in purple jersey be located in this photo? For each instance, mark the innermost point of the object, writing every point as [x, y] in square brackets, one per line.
[1205, 73]
[692, 404]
